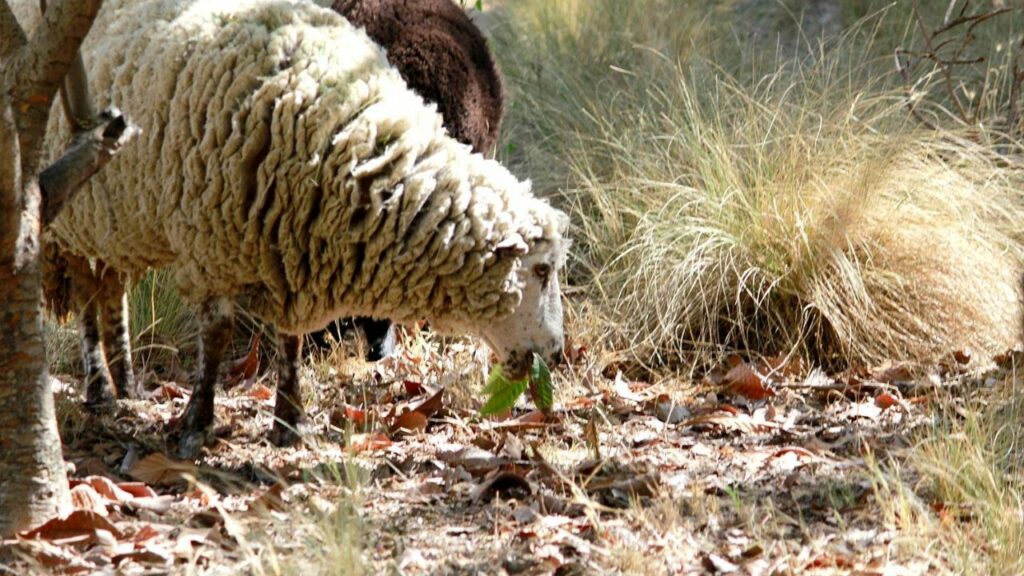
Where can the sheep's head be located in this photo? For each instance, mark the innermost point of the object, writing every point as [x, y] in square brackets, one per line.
[535, 327]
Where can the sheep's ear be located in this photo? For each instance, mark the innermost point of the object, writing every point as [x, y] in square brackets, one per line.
[514, 245]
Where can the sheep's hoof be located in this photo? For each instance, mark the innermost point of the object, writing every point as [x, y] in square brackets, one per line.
[125, 382]
[195, 426]
[99, 395]
[190, 447]
[286, 435]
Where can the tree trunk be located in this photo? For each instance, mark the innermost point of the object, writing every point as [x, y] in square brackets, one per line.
[33, 482]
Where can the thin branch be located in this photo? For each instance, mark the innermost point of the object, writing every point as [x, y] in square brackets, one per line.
[75, 97]
[908, 91]
[89, 151]
[927, 38]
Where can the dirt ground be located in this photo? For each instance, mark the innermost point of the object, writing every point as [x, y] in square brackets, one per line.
[761, 467]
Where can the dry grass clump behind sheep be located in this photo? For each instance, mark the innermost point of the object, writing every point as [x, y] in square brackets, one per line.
[797, 208]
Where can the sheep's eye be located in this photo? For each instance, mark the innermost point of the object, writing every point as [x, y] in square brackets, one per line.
[542, 271]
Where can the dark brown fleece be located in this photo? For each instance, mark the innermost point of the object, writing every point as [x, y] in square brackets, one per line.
[442, 56]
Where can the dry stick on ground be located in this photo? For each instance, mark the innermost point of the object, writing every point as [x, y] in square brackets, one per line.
[944, 66]
[33, 482]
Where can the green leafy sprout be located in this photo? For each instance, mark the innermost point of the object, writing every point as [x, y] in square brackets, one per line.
[502, 393]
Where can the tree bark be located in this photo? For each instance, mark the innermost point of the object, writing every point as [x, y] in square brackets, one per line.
[33, 481]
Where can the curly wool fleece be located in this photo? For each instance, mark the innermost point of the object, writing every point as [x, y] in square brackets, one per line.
[285, 163]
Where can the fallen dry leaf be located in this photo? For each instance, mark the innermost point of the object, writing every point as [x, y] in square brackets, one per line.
[799, 451]
[474, 460]
[743, 380]
[717, 565]
[48, 555]
[167, 391]
[104, 487]
[623, 390]
[246, 368]
[145, 532]
[84, 497]
[151, 554]
[260, 392]
[867, 409]
[411, 421]
[160, 469]
[431, 405]
[893, 374]
[726, 420]
[155, 504]
[370, 441]
[535, 419]
[137, 489]
[349, 413]
[783, 365]
[80, 525]
[885, 401]
[270, 500]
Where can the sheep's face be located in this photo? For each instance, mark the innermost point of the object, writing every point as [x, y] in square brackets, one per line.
[536, 325]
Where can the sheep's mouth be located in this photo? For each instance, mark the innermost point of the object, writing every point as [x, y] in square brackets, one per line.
[517, 365]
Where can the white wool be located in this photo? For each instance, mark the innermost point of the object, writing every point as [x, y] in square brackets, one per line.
[284, 163]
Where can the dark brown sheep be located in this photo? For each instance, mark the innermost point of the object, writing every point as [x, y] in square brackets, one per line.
[442, 56]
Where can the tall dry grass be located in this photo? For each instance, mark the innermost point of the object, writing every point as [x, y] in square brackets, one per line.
[725, 199]
[956, 496]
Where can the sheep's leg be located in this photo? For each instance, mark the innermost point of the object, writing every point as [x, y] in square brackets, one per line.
[216, 321]
[84, 293]
[113, 305]
[99, 387]
[380, 337]
[288, 411]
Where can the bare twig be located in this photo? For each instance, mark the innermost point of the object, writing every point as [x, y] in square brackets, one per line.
[908, 91]
[75, 97]
[89, 151]
[946, 55]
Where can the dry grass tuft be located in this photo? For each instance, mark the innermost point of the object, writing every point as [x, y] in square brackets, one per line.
[795, 207]
[161, 324]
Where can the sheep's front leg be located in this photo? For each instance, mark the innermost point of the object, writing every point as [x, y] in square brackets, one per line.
[380, 337]
[288, 410]
[216, 321]
[116, 339]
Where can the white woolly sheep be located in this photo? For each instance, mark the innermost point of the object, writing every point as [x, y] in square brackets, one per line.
[286, 168]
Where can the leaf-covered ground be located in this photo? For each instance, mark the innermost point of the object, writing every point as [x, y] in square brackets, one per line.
[763, 467]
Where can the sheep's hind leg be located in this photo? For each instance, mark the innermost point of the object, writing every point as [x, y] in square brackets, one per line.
[86, 296]
[99, 387]
[113, 307]
[216, 320]
[288, 411]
